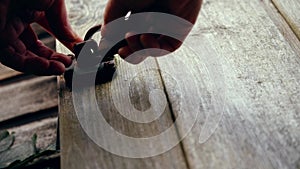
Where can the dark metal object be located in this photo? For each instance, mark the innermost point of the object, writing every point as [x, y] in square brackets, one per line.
[90, 57]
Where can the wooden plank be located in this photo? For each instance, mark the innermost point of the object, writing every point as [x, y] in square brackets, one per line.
[6, 72]
[77, 149]
[27, 96]
[282, 25]
[260, 127]
[21, 145]
[76, 145]
[45, 130]
[290, 11]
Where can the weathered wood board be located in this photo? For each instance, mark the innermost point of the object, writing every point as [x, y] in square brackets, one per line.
[260, 125]
[27, 96]
[20, 144]
[290, 11]
[45, 130]
[248, 66]
[6, 72]
[76, 145]
[21, 93]
[282, 25]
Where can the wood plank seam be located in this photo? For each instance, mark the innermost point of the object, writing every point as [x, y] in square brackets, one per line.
[285, 29]
[172, 115]
[286, 20]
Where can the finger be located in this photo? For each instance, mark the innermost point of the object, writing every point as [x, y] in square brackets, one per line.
[8, 58]
[132, 57]
[114, 10]
[12, 31]
[136, 57]
[30, 63]
[18, 46]
[37, 47]
[133, 41]
[168, 43]
[41, 66]
[43, 51]
[28, 37]
[149, 41]
[56, 23]
[124, 52]
[4, 5]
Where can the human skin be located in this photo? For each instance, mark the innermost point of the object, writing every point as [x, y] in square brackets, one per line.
[19, 47]
[21, 50]
[186, 9]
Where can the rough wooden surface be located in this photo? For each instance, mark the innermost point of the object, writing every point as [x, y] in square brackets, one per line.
[22, 94]
[259, 75]
[28, 107]
[44, 129]
[282, 25]
[21, 144]
[27, 96]
[260, 126]
[290, 11]
[75, 144]
[6, 72]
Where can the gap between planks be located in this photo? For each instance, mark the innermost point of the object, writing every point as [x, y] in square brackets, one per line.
[282, 24]
[289, 10]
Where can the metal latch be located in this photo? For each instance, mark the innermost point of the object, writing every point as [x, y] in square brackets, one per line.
[90, 56]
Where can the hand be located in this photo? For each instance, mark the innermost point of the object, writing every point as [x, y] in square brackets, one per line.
[186, 9]
[19, 47]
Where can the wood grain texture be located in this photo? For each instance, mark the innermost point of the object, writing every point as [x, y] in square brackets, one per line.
[6, 72]
[45, 130]
[282, 25]
[260, 125]
[21, 145]
[76, 145]
[77, 149]
[27, 96]
[290, 11]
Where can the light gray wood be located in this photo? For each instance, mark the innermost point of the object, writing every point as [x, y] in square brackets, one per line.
[282, 25]
[6, 72]
[21, 145]
[290, 11]
[27, 96]
[45, 130]
[259, 75]
[77, 149]
[260, 127]
[76, 145]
